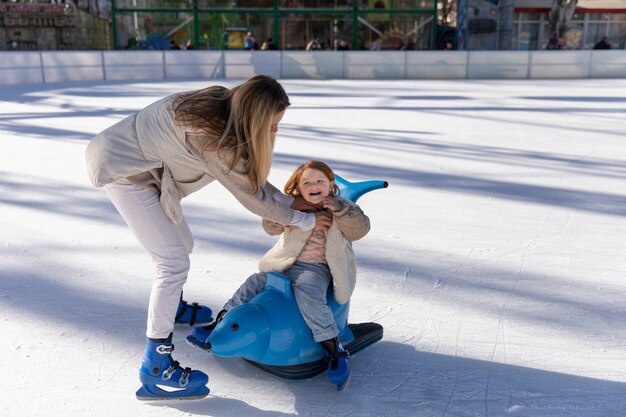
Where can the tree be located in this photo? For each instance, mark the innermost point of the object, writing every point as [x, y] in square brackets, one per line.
[446, 13]
[560, 17]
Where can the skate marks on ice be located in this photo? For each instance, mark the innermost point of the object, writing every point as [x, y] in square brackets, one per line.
[455, 386]
[392, 380]
[407, 382]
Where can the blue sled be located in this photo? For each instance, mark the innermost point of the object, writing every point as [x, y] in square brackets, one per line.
[269, 331]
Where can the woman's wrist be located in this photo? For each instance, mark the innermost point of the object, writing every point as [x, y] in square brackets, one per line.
[305, 221]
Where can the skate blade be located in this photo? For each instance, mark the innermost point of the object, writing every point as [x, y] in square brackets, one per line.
[154, 393]
[344, 384]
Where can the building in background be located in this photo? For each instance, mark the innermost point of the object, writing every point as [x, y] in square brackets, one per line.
[541, 24]
[46, 25]
[591, 21]
[292, 24]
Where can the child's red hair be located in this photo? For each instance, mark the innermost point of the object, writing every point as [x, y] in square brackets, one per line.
[291, 187]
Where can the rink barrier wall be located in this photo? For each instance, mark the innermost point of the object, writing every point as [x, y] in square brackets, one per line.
[73, 66]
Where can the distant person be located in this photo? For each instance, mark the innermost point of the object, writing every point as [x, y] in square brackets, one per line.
[343, 46]
[449, 46]
[553, 44]
[314, 45]
[603, 44]
[250, 43]
[132, 44]
[174, 45]
[269, 45]
[376, 45]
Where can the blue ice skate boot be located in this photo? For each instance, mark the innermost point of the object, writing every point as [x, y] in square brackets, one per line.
[164, 379]
[193, 313]
[338, 367]
[199, 337]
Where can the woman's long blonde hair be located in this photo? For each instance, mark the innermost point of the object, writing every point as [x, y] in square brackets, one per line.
[238, 120]
[292, 185]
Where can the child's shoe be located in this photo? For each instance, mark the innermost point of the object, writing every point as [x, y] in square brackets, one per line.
[338, 367]
[199, 337]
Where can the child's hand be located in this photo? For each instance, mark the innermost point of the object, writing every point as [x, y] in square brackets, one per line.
[323, 219]
[332, 203]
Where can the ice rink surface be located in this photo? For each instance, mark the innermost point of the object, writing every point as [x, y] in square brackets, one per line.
[496, 261]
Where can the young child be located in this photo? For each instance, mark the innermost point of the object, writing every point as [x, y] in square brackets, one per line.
[312, 260]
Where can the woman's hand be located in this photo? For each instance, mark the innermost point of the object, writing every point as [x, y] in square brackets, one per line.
[323, 219]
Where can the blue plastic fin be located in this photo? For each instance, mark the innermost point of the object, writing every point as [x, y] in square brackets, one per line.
[354, 190]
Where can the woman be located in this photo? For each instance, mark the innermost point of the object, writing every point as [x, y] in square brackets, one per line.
[150, 160]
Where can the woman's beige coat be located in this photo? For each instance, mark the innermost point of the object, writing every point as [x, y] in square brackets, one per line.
[150, 150]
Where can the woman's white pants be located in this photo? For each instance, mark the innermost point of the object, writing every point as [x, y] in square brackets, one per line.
[168, 244]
